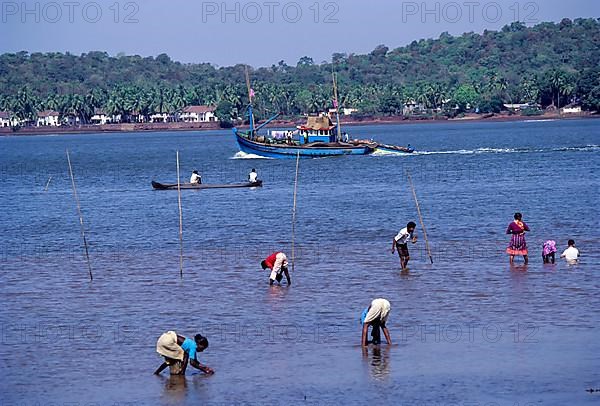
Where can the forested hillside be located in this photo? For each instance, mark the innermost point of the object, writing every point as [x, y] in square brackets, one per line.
[550, 63]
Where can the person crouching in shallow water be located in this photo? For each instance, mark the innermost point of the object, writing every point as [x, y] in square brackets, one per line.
[375, 316]
[549, 251]
[178, 350]
[518, 245]
[278, 264]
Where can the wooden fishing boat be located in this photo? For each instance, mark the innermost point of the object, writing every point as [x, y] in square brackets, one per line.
[319, 137]
[315, 139]
[173, 186]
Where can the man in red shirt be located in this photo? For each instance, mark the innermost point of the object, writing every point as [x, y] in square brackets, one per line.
[277, 262]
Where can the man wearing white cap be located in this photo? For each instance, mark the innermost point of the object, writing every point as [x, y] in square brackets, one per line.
[375, 316]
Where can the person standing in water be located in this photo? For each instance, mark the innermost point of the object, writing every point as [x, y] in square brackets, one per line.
[178, 350]
[400, 243]
[571, 254]
[375, 316]
[518, 245]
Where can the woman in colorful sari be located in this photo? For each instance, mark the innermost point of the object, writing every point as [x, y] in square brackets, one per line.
[517, 245]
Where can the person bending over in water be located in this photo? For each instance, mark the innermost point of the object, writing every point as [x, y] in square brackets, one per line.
[278, 264]
[375, 316]
[178, 350]
[518, 245]
[548, 251]
[400, 243]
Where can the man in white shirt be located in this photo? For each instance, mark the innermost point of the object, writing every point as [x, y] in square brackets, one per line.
[400, 242]
[253, 176]
[195, 179]
[571, 254]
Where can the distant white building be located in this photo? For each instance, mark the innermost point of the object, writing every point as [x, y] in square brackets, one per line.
[161, 118]
[571, 110]
[344, 111]
[100, 117]
[71, 120]
[48, 118]
[410, 107]
[7, 121]
[198, 114]
[517, 106]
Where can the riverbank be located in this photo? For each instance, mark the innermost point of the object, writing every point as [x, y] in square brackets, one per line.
[346, 121]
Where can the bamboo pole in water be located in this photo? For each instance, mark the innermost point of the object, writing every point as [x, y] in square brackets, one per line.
[420, 216]
[87, 255]
[180, 221]
[48, 183]
[294, 210]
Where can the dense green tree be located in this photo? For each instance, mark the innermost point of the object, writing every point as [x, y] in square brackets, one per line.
[550, 64]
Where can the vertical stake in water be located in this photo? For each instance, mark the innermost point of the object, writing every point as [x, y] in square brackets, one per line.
[420, 216]
[48, 183]
[294, 210]
[180, 221]
[87, 255]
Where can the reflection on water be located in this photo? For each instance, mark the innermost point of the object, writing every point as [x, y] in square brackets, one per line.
[378, 359]
[175, 388]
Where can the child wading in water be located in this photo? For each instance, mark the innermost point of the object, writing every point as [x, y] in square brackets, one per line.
[548, 251]
[518, 245]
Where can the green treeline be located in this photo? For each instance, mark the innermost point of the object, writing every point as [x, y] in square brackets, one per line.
[547, 64]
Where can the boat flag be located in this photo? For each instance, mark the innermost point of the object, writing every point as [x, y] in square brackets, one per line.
[251, 93]
[335, 103]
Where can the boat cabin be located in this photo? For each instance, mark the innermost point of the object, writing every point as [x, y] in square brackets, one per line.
[316, 129]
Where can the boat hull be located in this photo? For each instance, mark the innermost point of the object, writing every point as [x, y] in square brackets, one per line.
[291, 151]
[171, 186]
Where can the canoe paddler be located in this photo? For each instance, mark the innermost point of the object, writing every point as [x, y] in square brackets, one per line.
[178, 350]
[277, 262]
[253, 176]
[195, 179]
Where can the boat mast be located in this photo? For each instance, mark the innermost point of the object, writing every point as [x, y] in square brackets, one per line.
[336, 105]
[250, 112]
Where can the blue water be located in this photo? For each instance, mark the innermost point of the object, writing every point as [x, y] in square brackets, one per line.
[468, 329]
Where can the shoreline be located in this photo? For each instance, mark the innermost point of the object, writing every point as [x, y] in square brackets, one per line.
[173, 127]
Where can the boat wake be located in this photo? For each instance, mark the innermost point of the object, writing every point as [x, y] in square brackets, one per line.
[380, 152]
[244, 155]
[586, 148]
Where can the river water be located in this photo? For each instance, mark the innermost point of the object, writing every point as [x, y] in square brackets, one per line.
[467, 329]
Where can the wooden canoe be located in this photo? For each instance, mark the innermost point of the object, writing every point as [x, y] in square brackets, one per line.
[173, 186]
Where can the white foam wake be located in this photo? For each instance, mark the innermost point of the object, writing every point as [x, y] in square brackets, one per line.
[244, 155]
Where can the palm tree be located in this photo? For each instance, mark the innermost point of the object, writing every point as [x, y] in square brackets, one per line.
[557, 81]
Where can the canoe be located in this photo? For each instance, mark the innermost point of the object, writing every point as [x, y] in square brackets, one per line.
[394, 148]
[173, 186]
